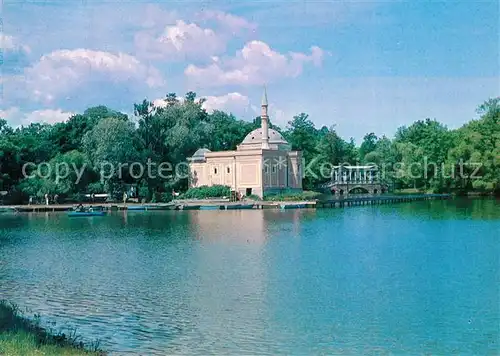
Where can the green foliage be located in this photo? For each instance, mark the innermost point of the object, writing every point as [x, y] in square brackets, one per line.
[293, 196]
[20, 335]
[226, 131]
[205, 192]
[172, 133]
[166, 197]
[368, 145]
[67, 136]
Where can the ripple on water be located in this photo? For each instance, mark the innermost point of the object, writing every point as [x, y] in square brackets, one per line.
[368, 280]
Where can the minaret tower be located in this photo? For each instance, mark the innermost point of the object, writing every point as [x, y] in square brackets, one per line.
[264, 121]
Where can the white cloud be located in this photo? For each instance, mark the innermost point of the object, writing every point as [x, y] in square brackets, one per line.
[235, 103]
[15, 117]
[231, 102]
[180, 41]
[255, 64]
[162, 103]
[11, 44]
[15, 55]
[159, 103]
[62, 71]
[153, 16]
[233, 23]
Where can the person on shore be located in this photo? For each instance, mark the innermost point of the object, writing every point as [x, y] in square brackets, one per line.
[56, 197]
[46, 199]
[125, 198]
[30, 201]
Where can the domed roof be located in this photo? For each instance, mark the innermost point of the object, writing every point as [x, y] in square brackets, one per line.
[200, 153]
[256, 137]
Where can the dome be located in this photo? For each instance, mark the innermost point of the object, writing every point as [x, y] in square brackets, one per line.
[200, 154]
[256, 137]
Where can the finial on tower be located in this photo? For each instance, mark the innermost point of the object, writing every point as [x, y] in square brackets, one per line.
[264, 97]
[264, 122]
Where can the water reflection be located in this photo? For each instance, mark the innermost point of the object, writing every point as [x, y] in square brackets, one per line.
[363, 280]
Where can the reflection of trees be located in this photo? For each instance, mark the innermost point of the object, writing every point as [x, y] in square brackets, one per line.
[459, 208]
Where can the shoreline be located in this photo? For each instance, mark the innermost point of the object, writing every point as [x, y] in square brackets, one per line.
[221, 204]
[20, 335]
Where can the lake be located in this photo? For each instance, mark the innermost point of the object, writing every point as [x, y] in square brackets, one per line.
[413, 278]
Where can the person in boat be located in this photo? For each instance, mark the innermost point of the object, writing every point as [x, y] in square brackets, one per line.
[79, 208]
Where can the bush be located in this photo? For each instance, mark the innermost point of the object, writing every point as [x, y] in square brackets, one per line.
[20, 335]
[166, 197]
[205, 192]
[294, 196]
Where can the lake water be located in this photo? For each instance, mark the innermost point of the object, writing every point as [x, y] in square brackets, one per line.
[413, 278]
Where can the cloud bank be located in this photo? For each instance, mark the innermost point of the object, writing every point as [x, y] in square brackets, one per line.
[255, 64]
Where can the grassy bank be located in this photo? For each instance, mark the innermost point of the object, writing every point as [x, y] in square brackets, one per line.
[22, 336]
[295, 196]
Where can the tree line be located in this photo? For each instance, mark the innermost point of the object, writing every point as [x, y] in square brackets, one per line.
[173, 133]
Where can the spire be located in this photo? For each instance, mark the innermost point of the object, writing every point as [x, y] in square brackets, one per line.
[264, 122]
[264, 97]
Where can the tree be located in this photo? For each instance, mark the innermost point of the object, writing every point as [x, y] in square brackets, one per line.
[67, 136]
[476, 151]
[331, 152]
[226, 132]
[112, 147]
[434, 141]
[172, 133]
[302, 135]
[66, 175]
[368, 145]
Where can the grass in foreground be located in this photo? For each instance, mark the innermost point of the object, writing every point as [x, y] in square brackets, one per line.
[22, 336]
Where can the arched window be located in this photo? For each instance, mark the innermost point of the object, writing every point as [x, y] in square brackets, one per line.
[228, 170]
[274, 169]
[215, 170]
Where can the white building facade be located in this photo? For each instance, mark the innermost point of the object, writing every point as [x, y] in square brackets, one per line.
[262, 164]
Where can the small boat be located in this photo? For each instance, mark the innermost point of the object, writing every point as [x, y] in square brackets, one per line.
[161, 207]
[86, 213]
[293, 206]
[137, 207]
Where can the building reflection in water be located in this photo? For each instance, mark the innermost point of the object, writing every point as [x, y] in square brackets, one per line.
[238, 226]
[228, 284]
[231, 278]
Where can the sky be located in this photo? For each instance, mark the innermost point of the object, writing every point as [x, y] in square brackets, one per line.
[361, 66]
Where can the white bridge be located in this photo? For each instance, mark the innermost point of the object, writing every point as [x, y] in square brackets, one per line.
[355, 179]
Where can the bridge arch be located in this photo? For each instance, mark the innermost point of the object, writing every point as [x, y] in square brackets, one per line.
[359, 190]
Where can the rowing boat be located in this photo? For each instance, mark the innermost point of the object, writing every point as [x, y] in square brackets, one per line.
[86, 213]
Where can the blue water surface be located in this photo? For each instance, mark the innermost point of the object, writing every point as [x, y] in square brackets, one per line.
[412, 278]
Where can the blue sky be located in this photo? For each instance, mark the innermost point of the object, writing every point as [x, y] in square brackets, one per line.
[363, 66]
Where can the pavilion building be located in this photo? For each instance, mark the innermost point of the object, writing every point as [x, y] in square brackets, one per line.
[262, 164]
